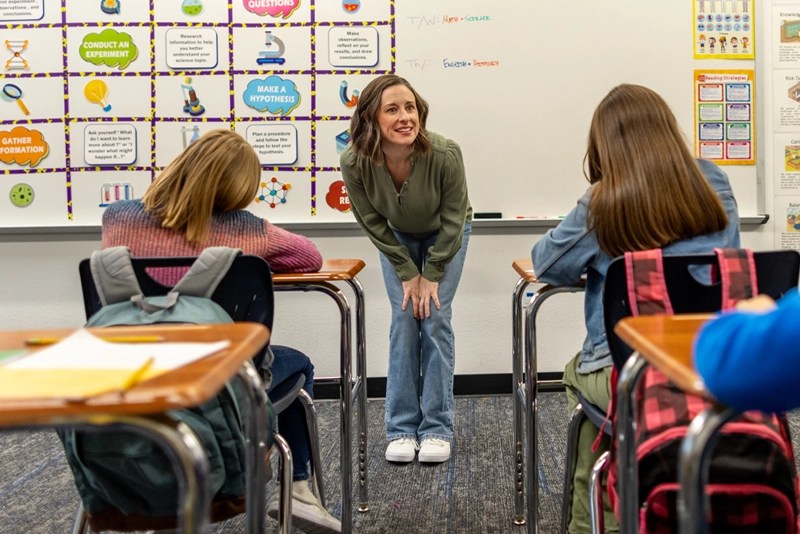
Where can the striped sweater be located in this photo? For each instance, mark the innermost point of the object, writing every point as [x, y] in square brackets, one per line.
[126, 223]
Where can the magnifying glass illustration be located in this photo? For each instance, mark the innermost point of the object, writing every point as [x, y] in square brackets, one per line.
[13, 92]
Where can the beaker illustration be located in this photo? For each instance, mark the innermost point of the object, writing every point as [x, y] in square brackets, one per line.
[96, 92]
[190, 134]
[351, 6]
[192, 7]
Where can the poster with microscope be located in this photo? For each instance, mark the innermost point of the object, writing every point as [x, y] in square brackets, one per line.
[98, 96]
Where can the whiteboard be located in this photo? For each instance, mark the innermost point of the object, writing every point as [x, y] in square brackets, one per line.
[516, 83]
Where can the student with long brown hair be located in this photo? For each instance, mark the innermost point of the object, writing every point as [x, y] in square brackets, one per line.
[199, 201]
[646, 191]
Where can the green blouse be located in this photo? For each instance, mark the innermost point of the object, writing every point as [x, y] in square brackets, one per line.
[433, 199]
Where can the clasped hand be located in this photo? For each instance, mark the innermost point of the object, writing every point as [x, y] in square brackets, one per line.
[420, 291]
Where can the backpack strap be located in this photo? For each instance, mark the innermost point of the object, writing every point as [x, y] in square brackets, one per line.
[207, 271]
[113, 274]
[647, 288]
[737, 270]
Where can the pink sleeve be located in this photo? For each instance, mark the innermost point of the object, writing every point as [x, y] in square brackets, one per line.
[290, 253]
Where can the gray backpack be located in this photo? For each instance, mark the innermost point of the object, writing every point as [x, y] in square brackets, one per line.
[129, 472]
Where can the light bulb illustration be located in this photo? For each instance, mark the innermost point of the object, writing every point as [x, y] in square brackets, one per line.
[96, 91]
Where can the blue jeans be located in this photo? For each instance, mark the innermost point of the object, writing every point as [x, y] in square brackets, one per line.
[419, 385]
[288, 363]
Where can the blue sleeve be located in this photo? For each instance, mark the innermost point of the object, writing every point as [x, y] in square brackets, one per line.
[562, 255]
[750, 360]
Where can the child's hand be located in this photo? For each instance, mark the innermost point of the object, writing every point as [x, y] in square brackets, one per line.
[761, 303]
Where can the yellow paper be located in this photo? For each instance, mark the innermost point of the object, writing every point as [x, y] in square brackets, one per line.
[82, 366]
[64, 383]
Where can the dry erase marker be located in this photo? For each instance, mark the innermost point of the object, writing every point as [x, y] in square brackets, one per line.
[41, 341]
[531, 217]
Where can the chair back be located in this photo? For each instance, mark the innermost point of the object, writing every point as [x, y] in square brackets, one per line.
[245, 292]
[777, 272]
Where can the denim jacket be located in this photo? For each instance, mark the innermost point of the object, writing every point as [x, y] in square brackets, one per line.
[570, 250]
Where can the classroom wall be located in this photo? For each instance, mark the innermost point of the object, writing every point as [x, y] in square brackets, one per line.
[39, 287]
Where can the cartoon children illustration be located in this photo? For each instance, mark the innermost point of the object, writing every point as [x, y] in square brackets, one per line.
[712, 43]
[701, 40]
[745, 42]
[734, 44]
[722, 42]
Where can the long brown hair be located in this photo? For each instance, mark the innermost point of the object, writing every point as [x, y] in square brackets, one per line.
[218, 172]
[364, 130]
[649, 189]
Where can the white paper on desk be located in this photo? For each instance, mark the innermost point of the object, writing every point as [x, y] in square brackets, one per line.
[82, 350]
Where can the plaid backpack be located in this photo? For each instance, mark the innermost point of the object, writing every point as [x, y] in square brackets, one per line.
[752, 478]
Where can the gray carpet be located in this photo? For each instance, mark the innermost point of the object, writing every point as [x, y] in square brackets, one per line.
[472, 493]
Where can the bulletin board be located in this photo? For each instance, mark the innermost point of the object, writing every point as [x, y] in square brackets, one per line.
[99, 95]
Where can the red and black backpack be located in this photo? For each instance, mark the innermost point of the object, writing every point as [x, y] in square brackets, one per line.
[752, 481]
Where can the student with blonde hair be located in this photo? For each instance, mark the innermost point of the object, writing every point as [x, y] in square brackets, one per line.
[646, 191]
[199, 201]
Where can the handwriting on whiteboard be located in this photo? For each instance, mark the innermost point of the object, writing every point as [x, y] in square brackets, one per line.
[451, 63]
[420, 21]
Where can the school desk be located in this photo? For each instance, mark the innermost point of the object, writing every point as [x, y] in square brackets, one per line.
[350, 388]
[665, 342]
[524, 363]
[138, 409]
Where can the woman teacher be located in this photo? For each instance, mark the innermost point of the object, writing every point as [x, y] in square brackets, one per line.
[408, 191]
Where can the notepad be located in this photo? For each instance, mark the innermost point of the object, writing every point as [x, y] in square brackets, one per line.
[83, 365]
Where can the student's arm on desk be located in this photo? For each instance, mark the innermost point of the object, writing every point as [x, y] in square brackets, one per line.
[563, 254]
[288, 252]
[751, 359]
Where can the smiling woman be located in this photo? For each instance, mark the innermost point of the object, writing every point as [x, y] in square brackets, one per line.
[408, 191]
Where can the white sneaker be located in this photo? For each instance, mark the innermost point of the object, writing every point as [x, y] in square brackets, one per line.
[308, 514]
[402, 450]
[433, 450]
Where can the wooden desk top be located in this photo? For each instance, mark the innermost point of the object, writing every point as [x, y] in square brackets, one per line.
[524, 268]
[665, 341]
[186, 386]
[331, 271]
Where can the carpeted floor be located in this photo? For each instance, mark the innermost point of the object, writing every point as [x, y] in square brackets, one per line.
[472, 493]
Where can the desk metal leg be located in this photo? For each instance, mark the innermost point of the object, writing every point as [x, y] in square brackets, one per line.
[345, 391]
[285, 484]
[256, 450]
[360, 388]
[694, 461]
[531, 465]
[628, 472]
[518, 400]
[531, 390]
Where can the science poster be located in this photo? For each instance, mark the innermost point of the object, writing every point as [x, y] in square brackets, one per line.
[99, 95]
